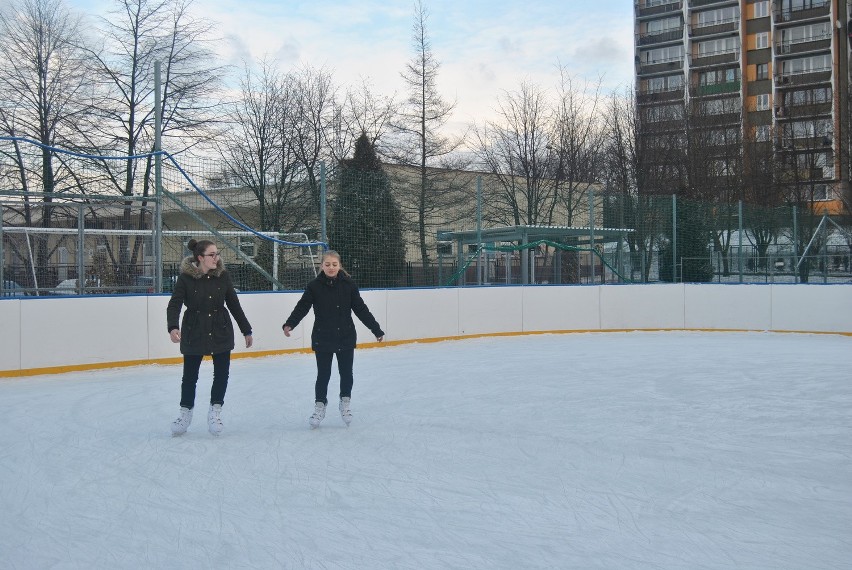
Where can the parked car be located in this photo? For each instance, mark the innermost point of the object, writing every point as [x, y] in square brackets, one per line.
[12, 289]
[147, 284]
[69, 287]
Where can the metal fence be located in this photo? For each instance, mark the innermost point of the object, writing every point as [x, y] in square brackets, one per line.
[87, 237]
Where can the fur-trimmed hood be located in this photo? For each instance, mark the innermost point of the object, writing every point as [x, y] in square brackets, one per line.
[190, 267]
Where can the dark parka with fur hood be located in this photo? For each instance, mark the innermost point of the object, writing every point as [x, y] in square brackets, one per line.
[334, 301]
[206, 326]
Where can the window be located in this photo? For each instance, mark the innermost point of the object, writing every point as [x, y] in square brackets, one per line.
[247, 246]
[719, 76]
[762, 133]
[718, 46]
[717, 16]
[795, 5]
[810, 96]
[761, 71]
[802, 34]
[761, 40]
[762, 102]
[761, 9]
[811, 64]
[665, 83]
[445, 248]
[664, 113]
[664, 25]
[663, 55]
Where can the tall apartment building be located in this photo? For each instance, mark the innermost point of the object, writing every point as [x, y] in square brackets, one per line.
[771, 74]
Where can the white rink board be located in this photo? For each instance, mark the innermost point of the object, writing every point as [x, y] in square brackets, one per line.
[69, 331]
[86, 330]
[421, 313]
[737, 307]
[642, 307]
[558, 308]
[10, 338]
[484, 310]
[826, 308]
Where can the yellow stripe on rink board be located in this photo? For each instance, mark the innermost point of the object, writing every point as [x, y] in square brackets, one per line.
[263, 353]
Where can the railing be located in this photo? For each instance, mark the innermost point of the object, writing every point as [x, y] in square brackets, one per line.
[642, 8]
[660, 37]
[814, 10]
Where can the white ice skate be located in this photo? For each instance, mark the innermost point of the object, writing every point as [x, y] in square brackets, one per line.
[345, 412]
[214, 419]
[182, 422]
[317, 416]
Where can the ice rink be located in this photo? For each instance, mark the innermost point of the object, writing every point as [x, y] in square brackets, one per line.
[663, 450]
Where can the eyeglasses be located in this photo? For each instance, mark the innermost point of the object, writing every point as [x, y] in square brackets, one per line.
[210, 254]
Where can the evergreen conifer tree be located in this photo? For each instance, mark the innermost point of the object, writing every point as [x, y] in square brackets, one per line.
[366, 223]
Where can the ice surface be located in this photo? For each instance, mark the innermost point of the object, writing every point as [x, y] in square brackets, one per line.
[618, 451]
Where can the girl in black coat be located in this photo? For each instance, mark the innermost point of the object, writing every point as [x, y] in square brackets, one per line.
[204, 287]
[334, 297]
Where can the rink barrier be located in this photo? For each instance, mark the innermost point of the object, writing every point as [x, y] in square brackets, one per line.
[62, 334]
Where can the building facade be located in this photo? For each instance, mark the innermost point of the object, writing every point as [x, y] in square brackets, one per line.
[745, 84]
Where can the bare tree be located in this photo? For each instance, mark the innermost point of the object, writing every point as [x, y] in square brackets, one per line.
[714, 168]
[138, 33]
[620, 169]
[516, 149]
[762, 194]
[45, 89]
[577, 141]
[419, 142]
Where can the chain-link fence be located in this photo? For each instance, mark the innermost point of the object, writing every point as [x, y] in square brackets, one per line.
[393, 226]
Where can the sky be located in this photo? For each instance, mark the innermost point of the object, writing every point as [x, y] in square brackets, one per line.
[635, 451]
[484, 47]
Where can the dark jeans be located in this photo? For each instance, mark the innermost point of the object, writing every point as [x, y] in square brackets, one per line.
[344, 368]
[191, 365]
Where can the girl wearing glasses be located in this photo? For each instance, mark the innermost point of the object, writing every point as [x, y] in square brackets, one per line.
[204, 287]
[334, 297]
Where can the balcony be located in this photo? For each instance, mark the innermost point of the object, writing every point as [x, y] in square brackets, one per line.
[644, 11]
[703, 3]
[713, 59]
[816, 10]
[715, 89]
[729, 27]
[660, 96]
[650, 38]
[651, 67]
[818, 44]
[802, 79]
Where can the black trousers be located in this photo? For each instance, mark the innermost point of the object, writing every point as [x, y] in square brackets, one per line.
[345, 358]
[191, 365]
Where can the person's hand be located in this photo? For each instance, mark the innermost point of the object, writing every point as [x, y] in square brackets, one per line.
[249, 341]
[287, 331]
[380, 338]
[175, 335]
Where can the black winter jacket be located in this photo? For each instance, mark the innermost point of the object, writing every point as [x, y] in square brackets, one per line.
[334, 301]
[206, 327]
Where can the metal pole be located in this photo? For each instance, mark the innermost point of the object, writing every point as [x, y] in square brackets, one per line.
[323, 198]
[795, 246]
[479, 230]
[158, 182]
[674, 238]
[2, 254]
[740, 247]
[591, 235]
[81, 252]
[275, 245]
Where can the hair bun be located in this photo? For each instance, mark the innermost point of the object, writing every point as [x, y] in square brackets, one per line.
[191, 244]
